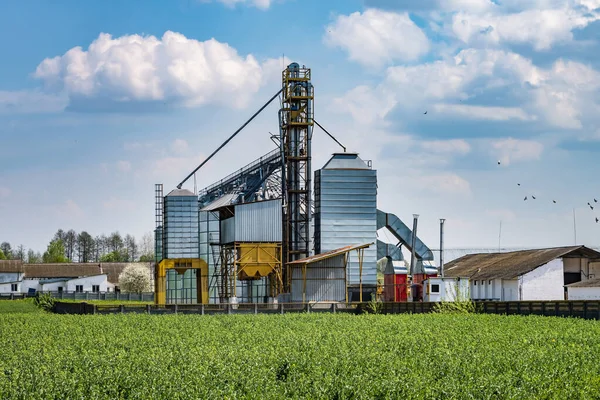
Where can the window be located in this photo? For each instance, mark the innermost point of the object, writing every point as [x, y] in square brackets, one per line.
[435, 288]
[475, 283]
[79, 288]
[95, 288]
[14, 287]
[483, 282]
[490, 282]
[60, 289]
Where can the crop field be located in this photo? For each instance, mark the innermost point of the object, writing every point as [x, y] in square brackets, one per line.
[316, 356]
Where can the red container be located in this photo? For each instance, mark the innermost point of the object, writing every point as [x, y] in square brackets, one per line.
[395, 287]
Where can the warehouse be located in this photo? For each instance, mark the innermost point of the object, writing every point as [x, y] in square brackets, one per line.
[539, 274]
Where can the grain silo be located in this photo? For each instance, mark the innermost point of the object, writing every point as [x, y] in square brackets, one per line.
[346, 214]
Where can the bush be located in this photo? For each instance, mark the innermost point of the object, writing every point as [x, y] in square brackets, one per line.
[45, 301]
[135, 278]
[462, 304]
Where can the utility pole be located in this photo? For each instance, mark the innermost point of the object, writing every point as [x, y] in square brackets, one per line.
[442, 220]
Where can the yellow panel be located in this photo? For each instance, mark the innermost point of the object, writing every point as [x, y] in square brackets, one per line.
[257, 260]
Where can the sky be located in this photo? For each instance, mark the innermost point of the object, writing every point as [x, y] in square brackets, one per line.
[465, 107]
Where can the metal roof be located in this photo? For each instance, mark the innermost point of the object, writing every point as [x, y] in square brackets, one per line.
[329, 254]
[345, 161]
[77, 270]
[587, 283]
[225, 200]
[511, 265]
[180, 192]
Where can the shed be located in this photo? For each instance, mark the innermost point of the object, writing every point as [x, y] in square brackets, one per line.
[539, 274]
[323, 277]
[584, 290]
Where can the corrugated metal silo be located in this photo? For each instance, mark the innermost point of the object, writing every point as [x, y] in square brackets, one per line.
[346, 212]
[180, 225]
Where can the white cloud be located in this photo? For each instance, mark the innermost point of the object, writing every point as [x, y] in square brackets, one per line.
[124, 166]
[444, 184]
[173, 69]
[70, 209]
[540, 27]
[502, 214]
[454, 146]
[180, 146]
[30, 101]
[511, 150]
[376, 37]
[483, 112]
[365, 104]
[261, 4]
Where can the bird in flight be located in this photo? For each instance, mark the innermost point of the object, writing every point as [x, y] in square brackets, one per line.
[525, 199]
[595, 201]
[592, 207]
[533, 197]
[596, 219]
[518, 184]
[425, 113]
[554, 201]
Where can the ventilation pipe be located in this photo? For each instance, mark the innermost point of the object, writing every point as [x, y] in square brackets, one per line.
[442, 220]
[414, 237]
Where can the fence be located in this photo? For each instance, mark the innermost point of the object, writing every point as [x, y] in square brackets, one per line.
[581, 309]
[113, 296]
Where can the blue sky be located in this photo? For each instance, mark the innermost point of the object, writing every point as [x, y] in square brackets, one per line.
[99, 100]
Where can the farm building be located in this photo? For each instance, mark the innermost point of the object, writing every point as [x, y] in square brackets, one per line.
[584, 290]
[17, 277]
[539, 274]
[436, 289]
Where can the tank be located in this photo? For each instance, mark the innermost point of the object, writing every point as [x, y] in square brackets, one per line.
[346, 213]
[180, 233]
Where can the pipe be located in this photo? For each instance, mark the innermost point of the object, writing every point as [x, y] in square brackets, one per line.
[230, 137]
[442, 220]
[330, 135]
[414, 236]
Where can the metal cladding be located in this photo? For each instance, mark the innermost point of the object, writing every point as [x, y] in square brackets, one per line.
[325, 281]
[180, 233]
[208, 239]
[253, 222]
[389, 250]
[403, 234]
[346, 212]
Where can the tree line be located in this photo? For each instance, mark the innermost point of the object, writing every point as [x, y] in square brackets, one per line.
[71, 246]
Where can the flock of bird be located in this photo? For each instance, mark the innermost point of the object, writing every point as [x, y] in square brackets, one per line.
[554, 201]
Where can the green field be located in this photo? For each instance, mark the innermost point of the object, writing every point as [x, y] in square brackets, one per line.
[18, 306]
[327, 356]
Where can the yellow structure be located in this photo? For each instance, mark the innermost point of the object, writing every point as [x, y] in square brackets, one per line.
[181, 265]
[250, 261]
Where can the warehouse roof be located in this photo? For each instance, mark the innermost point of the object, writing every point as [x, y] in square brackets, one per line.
[330, 254]
[512, 264]
[588, 283]
[11, 266]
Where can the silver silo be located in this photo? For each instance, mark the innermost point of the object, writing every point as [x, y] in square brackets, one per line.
[346, 214]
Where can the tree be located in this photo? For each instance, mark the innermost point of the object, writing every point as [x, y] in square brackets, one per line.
[135, 278]
[146, 247]
[114, 256]
[85, 247]
[55, 253]
[131, 248]
[115, 242]
[20, 254]
[69, 243]
[33, 257]
[7, 250]
[2, 256]
[59, 235]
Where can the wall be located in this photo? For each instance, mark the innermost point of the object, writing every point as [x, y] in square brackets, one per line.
[584, 293]
[594, 270]
[509, 290]
[6, 287]
[53, 287]
[87, 283]
[487, 289]
[325, 281]
[544, 283]
[10, 276]
[448, 289]
[258, 222]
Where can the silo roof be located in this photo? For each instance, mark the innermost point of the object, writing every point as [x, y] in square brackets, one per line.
[345, 161]
[180, 192]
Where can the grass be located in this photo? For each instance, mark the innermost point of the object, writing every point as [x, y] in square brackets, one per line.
[316, 356]
[18, 306]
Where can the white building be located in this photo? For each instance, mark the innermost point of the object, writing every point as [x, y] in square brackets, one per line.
[17, 277]
[584, 290]
[445, 289]
[526, 275]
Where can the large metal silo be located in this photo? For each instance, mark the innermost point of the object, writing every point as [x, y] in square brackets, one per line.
[346, 213]
[180, 233]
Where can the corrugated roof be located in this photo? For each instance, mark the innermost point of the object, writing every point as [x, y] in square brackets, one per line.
[587, 283]
[346, 161]
[11, 266]
[76, 270]
[180, 192]
[512, 264]
[222, 201]
[329, 254]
